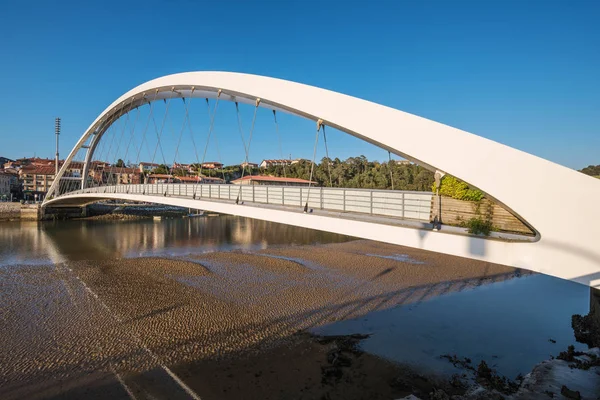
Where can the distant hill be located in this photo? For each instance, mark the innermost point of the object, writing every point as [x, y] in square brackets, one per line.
[592, 170]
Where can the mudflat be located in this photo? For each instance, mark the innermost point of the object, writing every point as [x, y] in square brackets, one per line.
[214, 325]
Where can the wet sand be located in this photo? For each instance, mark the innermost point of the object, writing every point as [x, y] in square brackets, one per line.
[178, 328]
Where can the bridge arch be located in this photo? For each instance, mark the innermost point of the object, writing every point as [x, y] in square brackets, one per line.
[566, 219]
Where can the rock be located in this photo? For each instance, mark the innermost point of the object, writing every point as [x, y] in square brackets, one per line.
[570, 394]
[586, 329]
[438, 394]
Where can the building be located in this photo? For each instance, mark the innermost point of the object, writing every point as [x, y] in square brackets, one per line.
[159, 178]
[4, 160]
[120, 176]
[13, 171]
[401, 162]
[12, 165]
[274, 163]
[271, 180]
[167, 178]
[36, 179]
[199, 179]
[212, 165]
[248, 165]
[148, 167]
[182, 167]
[74, 169]
[7, 184]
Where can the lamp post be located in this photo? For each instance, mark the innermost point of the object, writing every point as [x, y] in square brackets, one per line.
[57, 132]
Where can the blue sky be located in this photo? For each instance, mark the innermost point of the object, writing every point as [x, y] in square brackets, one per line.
[522, 73]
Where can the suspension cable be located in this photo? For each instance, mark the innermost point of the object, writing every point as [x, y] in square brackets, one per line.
[312, 167]
[112, 139]
[121, 137]
[137, 150]
[179, 140]
[210, 129]
[130, 140]
[187, 116]
[247, 148]
[280, 147]
[328, 159]
[137, 159]
[391, 170]
[219, 156]
[240, 129]
[108, 131]
[159, 134]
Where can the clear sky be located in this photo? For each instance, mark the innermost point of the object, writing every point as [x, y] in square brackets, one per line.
[523, 73]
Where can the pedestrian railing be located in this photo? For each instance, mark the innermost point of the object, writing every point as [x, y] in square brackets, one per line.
[392, 203]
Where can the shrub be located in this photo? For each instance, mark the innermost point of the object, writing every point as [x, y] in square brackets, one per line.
[457, 189]
[479, 226]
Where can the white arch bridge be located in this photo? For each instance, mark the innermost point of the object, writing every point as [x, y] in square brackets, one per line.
[565, 217]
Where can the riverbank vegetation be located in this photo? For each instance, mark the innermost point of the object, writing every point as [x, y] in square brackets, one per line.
[354, 172]
[358, 172]
[592, 170]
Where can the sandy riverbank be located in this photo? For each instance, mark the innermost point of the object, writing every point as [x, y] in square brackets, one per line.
[226, 323]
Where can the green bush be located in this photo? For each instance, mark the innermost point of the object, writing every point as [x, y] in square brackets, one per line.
[479, 226]
[457, 189]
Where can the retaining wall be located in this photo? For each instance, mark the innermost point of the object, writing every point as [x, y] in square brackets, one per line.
[454, 212]
[10, 211]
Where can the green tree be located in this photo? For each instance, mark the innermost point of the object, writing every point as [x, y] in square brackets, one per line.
[161, 169]
[593, 170]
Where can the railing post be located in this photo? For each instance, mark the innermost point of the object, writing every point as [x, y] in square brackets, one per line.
[209, 191]
[371, 192]
[403, 206]
[321, 197]
[344, 200]
[253, 187]
[267, 186]
[300, 196]
[219, 191]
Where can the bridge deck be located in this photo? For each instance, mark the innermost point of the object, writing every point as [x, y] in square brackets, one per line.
[356, 204]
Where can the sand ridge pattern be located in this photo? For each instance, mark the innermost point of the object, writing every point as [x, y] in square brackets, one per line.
[130, 316]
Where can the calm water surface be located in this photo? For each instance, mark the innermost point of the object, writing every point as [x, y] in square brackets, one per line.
[509, 324]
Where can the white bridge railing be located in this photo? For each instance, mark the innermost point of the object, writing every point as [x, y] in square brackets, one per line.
[392, 203]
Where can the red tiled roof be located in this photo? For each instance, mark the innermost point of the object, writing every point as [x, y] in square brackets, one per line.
[196, 178]
[38, 170]
[122, 170]
[160, 176]
[277, 161]
[4, 172]
[272, 179]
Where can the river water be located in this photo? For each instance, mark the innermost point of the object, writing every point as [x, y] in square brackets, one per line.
[513, 324]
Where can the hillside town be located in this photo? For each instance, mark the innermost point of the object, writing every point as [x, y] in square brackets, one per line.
[29, 178]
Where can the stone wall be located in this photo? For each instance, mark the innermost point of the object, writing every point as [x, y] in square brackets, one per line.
[454, 212]
[31, 212]
[10, 211]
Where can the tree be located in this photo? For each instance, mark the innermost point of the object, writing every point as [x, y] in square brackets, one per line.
[593, 170]
[161, 169]
[120, 163]
[358, 172]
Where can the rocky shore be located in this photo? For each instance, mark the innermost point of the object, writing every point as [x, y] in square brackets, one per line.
[111, 212]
